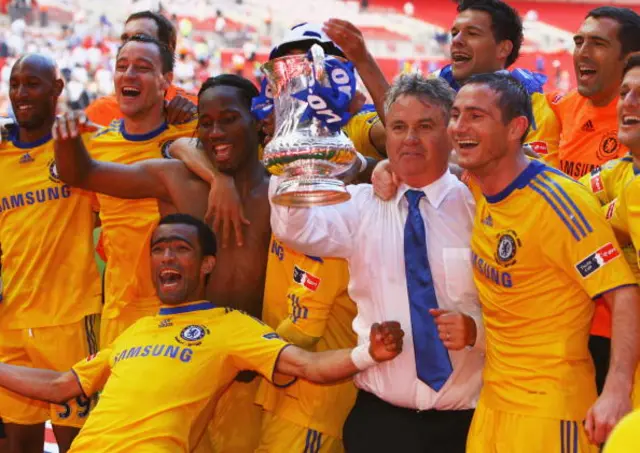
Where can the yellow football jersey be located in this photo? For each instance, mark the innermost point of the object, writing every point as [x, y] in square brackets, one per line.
[49, 275]
[163, 376]
[307, 303]
[541, 251]
[544, 135]
[358, 129]
[607, 183]
[127, 224]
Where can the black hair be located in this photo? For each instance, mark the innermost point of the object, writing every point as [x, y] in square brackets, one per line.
[166, 30]
[629, 20]
[206, 236]
[506, 24]
[248, 89]
[632, 62]
[513, 99]
[166, 56]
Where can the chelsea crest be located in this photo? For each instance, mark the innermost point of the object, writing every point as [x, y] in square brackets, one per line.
[508, 244]
[192, 335]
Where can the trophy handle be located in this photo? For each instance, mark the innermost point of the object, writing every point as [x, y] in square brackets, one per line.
[317, 59]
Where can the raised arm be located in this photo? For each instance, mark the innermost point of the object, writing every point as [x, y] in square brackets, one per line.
[350, 39]
[334, 366]
[318, 231]
[77, 168]
[45, 385]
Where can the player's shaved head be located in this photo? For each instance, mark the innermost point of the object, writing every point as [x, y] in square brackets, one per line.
[41, 63]
[34, 88]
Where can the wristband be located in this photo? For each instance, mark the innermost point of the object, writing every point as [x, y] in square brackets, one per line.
[361, 357]
[363, 162]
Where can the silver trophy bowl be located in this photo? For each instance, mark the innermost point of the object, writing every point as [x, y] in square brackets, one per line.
[307, 154]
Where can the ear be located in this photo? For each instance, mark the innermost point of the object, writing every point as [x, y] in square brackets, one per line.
[504, 50]
[208, 264]
[517, 128]
[58, 86]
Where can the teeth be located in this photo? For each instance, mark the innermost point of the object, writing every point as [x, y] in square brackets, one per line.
[628, 120]
[169, 273]
[467, 142]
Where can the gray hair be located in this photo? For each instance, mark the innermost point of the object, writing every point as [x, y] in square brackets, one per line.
[435, 89]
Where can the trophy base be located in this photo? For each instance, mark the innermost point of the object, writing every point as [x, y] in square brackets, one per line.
[307, 192]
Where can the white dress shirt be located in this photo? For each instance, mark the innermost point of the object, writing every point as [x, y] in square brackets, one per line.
[369, 233]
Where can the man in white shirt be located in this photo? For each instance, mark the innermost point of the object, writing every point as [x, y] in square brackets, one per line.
[409, 258]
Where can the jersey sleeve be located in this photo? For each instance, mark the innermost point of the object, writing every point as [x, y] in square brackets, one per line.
[580, 240]
[595, 183]
[254, 346]
[314, 287]
[544, 135]
[92, 373]
[358, 129]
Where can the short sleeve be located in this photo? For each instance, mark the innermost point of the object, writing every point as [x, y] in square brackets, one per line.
[92, 373]
[581, 241]
[625, 216]
[254, 345]
[314, 286]
[544, 135]
[359, 129]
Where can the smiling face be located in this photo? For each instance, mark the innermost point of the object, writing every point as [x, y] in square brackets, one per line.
[474, 49]
[598, 60]
[629, 111]
[477, 130]
[33, 91]
[139, 82]
[226, 128]
[178, 267]
[417, 142]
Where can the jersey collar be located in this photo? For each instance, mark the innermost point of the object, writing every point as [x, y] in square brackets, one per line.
[532, 170]
[186, 308]
[143, 137]
[28, 145]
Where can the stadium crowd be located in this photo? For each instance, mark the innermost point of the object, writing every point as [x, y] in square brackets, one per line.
[476, 293]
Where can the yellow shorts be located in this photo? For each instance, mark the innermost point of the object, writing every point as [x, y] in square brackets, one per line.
[504, 432]
[55, 348]
[110, 329]
[279, 435]
[236, 423]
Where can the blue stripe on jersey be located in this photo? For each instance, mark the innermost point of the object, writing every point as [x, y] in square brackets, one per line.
[186, 308]
[562, 217]
[575, 437]
[315, 258]
[563, 205]
[318, 442]
[562, 442]
[569, 200]
[310, 441]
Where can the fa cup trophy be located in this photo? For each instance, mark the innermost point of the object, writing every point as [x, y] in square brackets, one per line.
[308, 148]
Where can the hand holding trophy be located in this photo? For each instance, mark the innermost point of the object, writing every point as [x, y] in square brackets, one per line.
[311, 95]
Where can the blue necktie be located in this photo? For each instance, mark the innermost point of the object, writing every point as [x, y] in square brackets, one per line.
[432, 359]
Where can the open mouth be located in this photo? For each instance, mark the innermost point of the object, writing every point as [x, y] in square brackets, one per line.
[458, 57]
[130, 92]
[222, 151]
[170, 279]
[630, 120]
[586, 72]
[467, 144]
[24, 108]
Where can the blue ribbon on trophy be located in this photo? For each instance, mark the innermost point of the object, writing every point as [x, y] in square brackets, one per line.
[262, 105]
[330, 104]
